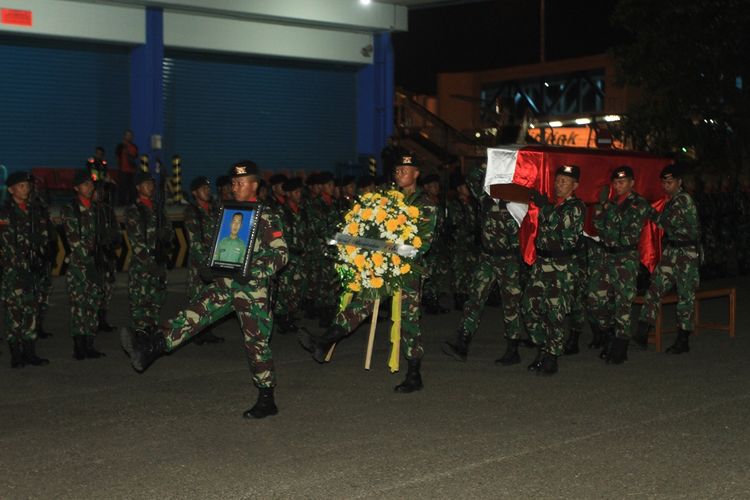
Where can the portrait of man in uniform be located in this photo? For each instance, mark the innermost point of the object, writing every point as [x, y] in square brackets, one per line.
[232, 248]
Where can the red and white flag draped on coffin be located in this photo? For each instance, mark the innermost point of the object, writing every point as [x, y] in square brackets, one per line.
[514, 170]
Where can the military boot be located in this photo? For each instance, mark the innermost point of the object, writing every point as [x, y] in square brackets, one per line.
[89, 350]
[264, 407]
[571, 343]
[29, 355]
[459, 299]
[413, 380]
[103, 325]
[608, 336]
[459, 348]
[79, 347]
[511, 356]
[326, 316]
[548, 364]
[41, 333]
[596, 337]
[641, 336]
[284, 323]
[142, 346]
[320, 345]
[618, 351]
[536, 365]
[16, 355]
[681, 343]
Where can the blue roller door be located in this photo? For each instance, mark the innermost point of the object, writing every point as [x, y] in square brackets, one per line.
[282, 115]
[59, 100]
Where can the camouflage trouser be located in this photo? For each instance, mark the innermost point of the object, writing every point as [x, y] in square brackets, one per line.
[43, 288]
[146, 293]
[195, 284]
[107, 287]
[290, 287]
[612, 288]
[438, 264]
[678, 268]
[464, 262]
[411, 335]
[326, 286]
[546, 301]
[250, 303]
[506, 271]
[577, 314]
[21, 309]
[85, 298]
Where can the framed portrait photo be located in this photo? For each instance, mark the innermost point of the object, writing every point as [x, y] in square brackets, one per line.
[234, 239]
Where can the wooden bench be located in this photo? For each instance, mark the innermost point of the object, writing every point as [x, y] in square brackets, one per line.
[655, 337]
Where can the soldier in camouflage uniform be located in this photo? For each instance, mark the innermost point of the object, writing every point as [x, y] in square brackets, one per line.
[199, 218]
[324, 217]
[437, 260]
[347, 320]
[347, 192]
[277, 197]
[619, 222]
[23, 237]
[291, 280]
[309, 263]
[463, 224]
[549, 292]
[679, 263]
[499, 261]
[150, 235]
[84, 229]
[247, 297]
[43, 274]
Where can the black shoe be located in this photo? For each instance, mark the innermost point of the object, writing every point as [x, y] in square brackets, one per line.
[458, 349]
[264, 407]
[571, 344]
[528, 343]
[326, 316]
[536, 365]
[641, 336]
[284, 323]
[597, 340]
[618, 351]
[681, 344]
[79, 347]
[143, 347]
[16, 355]
[607, 339]
[548, 365]
[319, 346]
[104, 326]
[511, 356]
[89, 350]
[413, 380]
[29, 355]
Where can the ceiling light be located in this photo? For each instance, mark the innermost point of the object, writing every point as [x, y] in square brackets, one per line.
[364, 2]
[612, 118]
[583, 121]
[555, 124]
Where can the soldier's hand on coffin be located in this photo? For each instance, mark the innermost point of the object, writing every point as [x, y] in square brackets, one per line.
[206, 274]
[539, 199]
[604, 194]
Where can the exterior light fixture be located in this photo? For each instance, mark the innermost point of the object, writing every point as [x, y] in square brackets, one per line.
[612, 118]
[555, 124]
[364, 2]
[583, 121]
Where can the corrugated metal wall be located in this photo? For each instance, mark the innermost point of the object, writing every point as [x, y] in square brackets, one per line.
[59, 100]
[293, 115]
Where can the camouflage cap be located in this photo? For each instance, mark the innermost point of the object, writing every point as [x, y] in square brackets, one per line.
[569, 171]
[622, 172]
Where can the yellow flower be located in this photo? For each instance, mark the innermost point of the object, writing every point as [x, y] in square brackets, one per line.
[405, 269]
[377, 259]
[352, 229]
[391, 225]
[380, 216]
[383, 201]
[350, 249]
[356, 208]
[412, 211]
[376, 282]
[401, 219]
[416, 242]
[359, 261]
[395, 259]
[355, 286]
[367, 213]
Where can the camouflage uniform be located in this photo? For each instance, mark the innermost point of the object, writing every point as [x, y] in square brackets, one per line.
[247, 298]
[577, 314]
[549, 292]
[291, 278]
[463, 223]
[43, 274]
[113, 235]
[678, 266]
[499, 261]
[199, 222]
[437, 262]
[325, 283]
[147, 275]
[612, 285]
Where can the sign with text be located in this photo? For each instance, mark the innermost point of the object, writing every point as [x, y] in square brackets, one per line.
[15, 17]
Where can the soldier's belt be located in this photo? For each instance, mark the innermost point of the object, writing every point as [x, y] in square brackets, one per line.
[555, 254]
[681, 244]
[621, 249]
[372, 244]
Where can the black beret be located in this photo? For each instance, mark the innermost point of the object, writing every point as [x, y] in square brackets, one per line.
[325, 177]
[80, 177]
[312, 180]
[427, 179]
[142, 176]
[569, 171]
[223, 180]
[243, 168]
[671, 170]
[17, 177]
[277, 179]
[292, 184]
[457, 180]
[408, 160]
[623, 172]
[198, 182]
[365, 180]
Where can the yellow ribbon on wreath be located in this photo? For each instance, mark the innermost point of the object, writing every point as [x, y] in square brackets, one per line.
[394, 358]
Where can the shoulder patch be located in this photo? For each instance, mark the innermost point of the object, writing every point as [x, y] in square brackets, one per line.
[277, 234]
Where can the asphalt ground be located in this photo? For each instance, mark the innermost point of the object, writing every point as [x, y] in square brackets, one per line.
[659, 426]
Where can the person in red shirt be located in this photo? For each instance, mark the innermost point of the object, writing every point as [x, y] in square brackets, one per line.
[127, 163]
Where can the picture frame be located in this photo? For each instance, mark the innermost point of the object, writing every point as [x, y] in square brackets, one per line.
[234, 239]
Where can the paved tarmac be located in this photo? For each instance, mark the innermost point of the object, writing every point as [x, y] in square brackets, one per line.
[658, 426]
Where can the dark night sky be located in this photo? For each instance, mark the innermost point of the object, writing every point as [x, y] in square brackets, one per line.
[496, 34]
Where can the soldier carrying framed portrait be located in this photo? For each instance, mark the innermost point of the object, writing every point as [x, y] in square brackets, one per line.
[234, 239]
